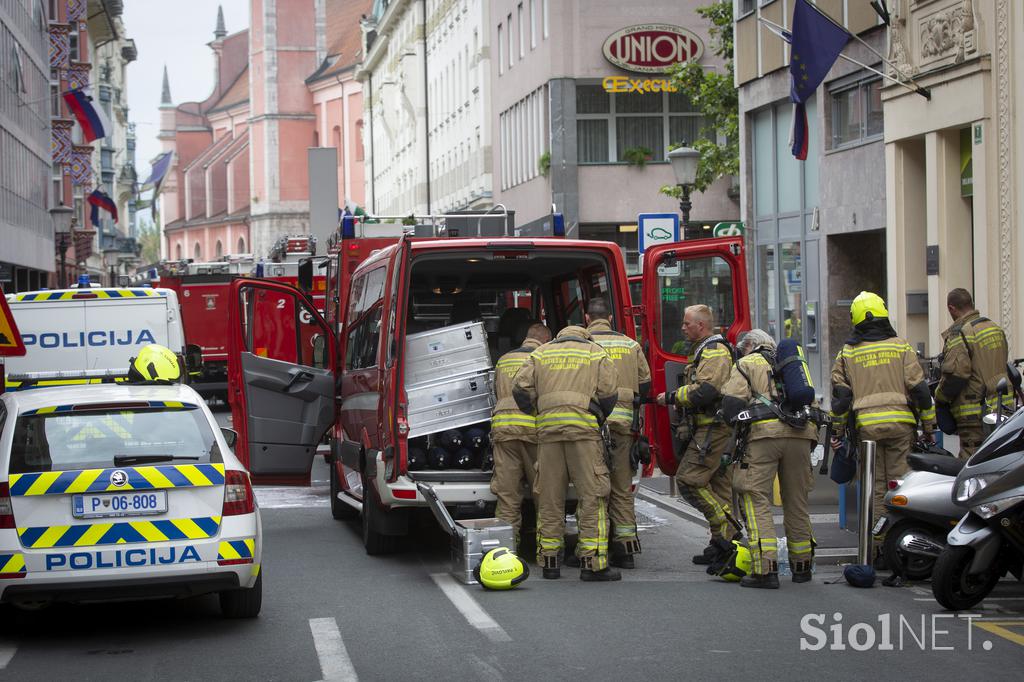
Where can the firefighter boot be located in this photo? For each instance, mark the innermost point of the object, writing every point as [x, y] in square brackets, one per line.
[605, 575]
[551, 568]
[802, 571]
[764, 581]
[622, 554]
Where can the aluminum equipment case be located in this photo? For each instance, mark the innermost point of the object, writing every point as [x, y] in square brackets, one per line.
[450, 403]
[446, 352]
[471, 538]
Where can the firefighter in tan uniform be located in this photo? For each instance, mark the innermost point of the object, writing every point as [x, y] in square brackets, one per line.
[878, 377]
[570, 383]
[702, 480]
[974, 355]
[634, 379]
[774, 448]
[513, 433]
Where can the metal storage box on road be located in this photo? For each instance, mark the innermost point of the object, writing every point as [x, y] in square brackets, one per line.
[446, 352]
[450, 403]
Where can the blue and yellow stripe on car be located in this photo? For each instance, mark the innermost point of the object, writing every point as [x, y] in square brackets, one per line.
[12, 565]
[119, 533]
[45, 383]
[133, 405]
[98, 480]
[97, 293]
[232, 550]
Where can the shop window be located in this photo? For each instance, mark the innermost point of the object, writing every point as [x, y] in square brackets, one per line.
[856, 113]
[612, 127]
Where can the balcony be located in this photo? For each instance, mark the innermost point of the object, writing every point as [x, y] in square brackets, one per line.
[115, 243]
[128, 51]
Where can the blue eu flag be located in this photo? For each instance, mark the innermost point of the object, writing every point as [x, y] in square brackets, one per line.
[816, 44]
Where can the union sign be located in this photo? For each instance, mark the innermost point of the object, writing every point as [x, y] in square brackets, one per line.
[652, 48]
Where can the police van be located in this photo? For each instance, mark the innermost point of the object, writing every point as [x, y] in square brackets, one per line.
[88, 334]
[123, 491]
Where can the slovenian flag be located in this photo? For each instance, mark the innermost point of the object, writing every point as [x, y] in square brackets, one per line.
[99, 199]
[92, 119]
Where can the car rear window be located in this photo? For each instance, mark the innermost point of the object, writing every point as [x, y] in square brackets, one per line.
[89, 439]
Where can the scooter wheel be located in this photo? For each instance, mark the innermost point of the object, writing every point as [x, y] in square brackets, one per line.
[910, 566]
[953, 587]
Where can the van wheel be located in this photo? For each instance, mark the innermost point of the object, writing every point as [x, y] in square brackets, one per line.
[374, 541]
[339, 510]
[244, 603]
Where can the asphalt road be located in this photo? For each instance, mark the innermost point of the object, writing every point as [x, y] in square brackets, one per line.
[331, 612]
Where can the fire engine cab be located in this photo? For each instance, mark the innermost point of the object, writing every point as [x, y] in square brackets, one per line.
[404, 381]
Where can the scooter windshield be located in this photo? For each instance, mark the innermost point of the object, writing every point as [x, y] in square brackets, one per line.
[1005, 439]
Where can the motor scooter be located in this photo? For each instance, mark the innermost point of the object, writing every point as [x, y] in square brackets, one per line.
[919, 512]
[988, 542]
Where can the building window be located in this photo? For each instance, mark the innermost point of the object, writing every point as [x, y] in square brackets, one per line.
[57, 180]
[219, 249]
[241, 246]
[19, 71]
[544, 12]
[523, 138]
[511, 54]
[177, 251]
[856, 112]
[501, 50]
[533, 24]
[73, 44]
[745, 7]
[522, 30]
[197, 252]
[612, 127]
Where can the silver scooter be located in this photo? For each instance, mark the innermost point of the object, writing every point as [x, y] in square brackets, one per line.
[988, 542]
[919, 512]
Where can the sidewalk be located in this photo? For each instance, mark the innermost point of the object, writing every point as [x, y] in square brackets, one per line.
[835, 545]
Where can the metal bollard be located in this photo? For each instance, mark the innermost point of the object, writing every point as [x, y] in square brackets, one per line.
[867, 494]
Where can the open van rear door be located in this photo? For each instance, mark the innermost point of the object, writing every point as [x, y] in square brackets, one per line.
[281, 373]
[708, 271]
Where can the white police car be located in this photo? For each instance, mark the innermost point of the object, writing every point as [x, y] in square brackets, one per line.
[118, 491]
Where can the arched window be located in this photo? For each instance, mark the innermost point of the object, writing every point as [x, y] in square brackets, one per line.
[359, 137]
[219, 249]
[336, 134]
[241, 245]
[197, 253]
[316, 138]
[178, 251]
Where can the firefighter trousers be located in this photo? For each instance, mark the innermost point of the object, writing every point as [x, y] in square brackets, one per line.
[582, 463]
[893, 442]
[514, 464]
[704, 483]
[621, 508]
[971, 434]
[789, 458]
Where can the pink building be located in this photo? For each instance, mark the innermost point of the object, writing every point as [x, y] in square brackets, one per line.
[239, 177]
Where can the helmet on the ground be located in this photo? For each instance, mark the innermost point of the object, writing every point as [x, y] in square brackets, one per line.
[154, 364]
[500, 569]
[737, 564]
[867, 306]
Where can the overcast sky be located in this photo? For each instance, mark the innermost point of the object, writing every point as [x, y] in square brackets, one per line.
[174, 34]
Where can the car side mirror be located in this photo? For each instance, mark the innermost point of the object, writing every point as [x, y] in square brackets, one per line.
[306, 275]
[230, 435]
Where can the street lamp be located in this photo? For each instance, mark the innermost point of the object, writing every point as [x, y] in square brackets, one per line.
[684, 164]
[62, 217]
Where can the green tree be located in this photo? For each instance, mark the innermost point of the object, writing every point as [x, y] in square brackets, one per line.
[715, 96]
[149, 240]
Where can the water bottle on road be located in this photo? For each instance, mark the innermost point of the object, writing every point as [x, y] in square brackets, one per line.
[783, 558]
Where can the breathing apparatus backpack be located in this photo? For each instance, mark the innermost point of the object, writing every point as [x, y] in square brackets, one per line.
[792, 376]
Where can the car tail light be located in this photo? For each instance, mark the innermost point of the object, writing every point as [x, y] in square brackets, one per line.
[234, 562]
[404, 493]
[238, 497]
[6, 508]
[895, 483]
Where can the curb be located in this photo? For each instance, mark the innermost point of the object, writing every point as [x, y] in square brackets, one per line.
[824, 556]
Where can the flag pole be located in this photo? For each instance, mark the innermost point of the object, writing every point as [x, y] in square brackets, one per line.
[912, 87]
[924, 92]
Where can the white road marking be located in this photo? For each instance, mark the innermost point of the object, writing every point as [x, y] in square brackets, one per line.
[469, 609]
[7, 652]
[330, 649]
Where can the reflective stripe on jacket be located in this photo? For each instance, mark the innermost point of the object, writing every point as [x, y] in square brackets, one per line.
[974, 355]
[508, 422]
[713, 366]
[561, 378]
[630, 366]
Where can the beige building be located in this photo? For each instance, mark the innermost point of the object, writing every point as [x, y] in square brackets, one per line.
[955, 186]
